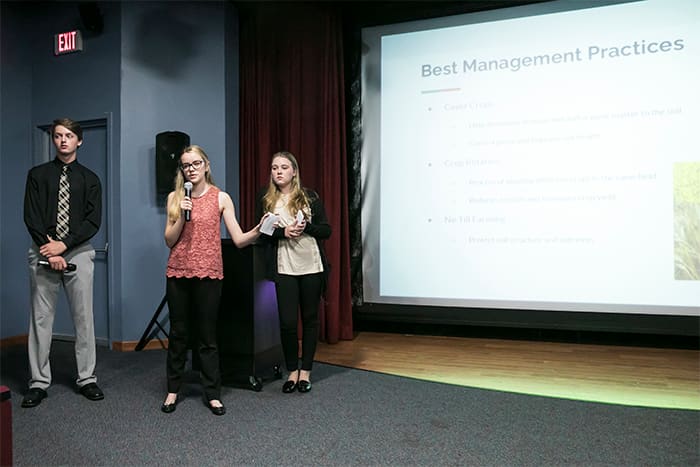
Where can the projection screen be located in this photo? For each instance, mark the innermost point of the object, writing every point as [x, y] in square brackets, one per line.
[535, 158]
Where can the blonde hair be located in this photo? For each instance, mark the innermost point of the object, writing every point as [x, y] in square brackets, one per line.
[298, 200]
[174, 210]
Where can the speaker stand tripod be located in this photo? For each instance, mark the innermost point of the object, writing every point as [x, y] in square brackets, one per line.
[146, 337]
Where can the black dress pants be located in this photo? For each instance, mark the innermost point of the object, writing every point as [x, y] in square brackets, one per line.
[194, 311]
[295, 293]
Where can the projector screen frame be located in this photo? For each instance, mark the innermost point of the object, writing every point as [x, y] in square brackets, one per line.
[624, 323]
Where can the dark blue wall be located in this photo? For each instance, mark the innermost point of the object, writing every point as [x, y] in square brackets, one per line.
[156, 66]
[15, 160]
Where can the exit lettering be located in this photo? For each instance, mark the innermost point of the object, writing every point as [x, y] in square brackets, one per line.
[67, 42]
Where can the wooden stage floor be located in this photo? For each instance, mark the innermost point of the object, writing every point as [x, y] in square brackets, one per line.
[638, 376]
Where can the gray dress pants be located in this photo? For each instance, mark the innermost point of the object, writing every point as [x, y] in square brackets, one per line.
[44, 288]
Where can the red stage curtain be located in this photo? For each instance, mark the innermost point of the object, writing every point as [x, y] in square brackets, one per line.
[292, 98]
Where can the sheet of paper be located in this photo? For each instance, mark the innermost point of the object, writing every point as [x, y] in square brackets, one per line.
[268, 225]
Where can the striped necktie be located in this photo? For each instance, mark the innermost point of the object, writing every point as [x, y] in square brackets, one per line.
[63, 205]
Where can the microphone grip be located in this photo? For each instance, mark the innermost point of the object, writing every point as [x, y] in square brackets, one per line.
[70, 267]
[188, 213]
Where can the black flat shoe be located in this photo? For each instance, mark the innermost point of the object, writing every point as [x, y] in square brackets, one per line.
[289, 387]
[215, 410]
[169, 408]
[304, 386]
[33, 397]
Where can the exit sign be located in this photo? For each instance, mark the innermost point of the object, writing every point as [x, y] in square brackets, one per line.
[67, 42]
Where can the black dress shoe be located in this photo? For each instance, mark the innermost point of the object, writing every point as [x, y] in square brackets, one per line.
[304, 386]
[169, 408]
[92, 392]
[33, 397]
[289, 386]
[215, 410]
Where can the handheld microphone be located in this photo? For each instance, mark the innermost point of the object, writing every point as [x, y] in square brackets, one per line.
[69, 267]
[188, 193]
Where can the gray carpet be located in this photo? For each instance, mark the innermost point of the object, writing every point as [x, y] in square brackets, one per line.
[351, 417]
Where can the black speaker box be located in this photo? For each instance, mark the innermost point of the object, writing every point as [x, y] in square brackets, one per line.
[92, 18]
[169, 146]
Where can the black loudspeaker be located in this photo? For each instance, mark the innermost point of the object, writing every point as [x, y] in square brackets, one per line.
[169, 146]
[91, 17]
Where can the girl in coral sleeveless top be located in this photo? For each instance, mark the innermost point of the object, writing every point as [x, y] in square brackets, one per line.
[195, 272]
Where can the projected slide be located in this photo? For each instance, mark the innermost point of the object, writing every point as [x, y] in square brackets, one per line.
[535, 162]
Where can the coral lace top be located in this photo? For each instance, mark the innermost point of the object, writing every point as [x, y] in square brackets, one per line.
[197, 252]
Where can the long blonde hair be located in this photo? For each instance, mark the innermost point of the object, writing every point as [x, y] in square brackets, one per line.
[298, 200]
[174, 210]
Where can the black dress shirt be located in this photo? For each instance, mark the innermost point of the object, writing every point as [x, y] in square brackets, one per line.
[41, 202]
